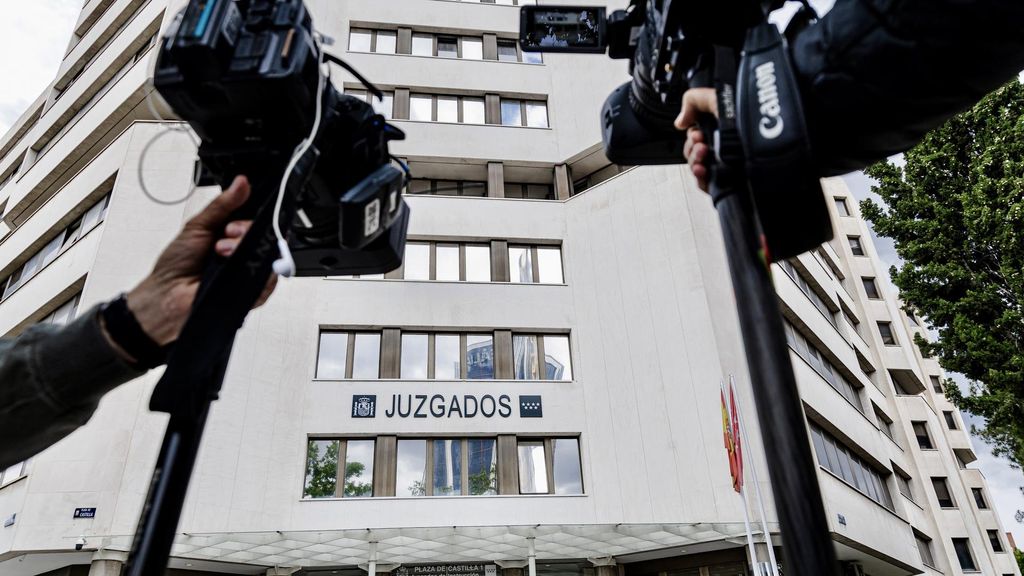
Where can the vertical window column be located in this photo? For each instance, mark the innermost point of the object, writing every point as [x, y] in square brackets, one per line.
[495, 180]
[405, 40]
[563, 182]
[490, 47]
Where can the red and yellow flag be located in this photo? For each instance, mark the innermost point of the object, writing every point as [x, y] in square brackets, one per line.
[731, 436]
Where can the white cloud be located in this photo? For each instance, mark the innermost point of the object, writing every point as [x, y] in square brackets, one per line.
[33, 38]
[1003, 481]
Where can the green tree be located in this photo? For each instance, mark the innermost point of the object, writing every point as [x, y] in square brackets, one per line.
[1020, 558]
[353, 471]
[321, 469]
[956, 214]
[322, 472]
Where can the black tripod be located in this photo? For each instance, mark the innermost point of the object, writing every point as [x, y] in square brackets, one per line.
[195, 369]
[806, 541]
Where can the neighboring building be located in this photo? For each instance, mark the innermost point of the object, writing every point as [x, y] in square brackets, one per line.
[540, 379]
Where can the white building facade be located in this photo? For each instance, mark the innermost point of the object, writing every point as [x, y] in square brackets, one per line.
[537, 389]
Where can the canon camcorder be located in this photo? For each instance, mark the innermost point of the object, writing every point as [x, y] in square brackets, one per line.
[675, 45]
[247, 76]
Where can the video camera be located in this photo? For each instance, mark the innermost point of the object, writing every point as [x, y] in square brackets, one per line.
[675, 45]
[247, 76]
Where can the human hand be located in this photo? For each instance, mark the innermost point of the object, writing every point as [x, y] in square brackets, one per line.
[696, 101]
[162, 301]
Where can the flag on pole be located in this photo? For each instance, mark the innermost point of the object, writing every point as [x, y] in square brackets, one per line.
[731, 436]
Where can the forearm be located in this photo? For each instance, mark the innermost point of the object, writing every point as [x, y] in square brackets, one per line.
[879, 74]
[51, 380]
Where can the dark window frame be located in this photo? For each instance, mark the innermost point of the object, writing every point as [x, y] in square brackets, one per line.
[856, 245]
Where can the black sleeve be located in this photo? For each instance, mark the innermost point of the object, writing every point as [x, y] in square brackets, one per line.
[51, 380]
[878, 74]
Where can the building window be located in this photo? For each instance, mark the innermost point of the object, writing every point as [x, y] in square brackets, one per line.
[532, 57]
[936, 384]
[950, 419]
[323, 474]
[384, 106]
[360, 40]
[942, 494]
[924, 547]
[447, 109]
[963, 554]
[531, 191]
[64, 313]
[447, 356]
[439, 45]
[841, 207]
[813, 296]
[870, 288]
[535, 264]
[480, 356]
[810, 354]
[532, 467]
[507, 51]
[414, 356]
[56, 246]
[421, 107]
[366, 355]
[386, 42]
[884, 422]
[855, 245]
[423, 467]
[473, 48]
[450, 109]
[456, 467]
[419, 355]
[979, 498]
[12, 473]
[530, 113]
[921, 432]
[422, 45]
[995, 541]
[447, 262]
[348, 355]
[473, 110]
[425, 186]
[447, 47]
[903, 481]
[528, 349]
[834, 456]
[550, 466]
[885, 331]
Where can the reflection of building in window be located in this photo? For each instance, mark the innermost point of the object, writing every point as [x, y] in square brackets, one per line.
[447, 475]
[479, 357]
[554, 368]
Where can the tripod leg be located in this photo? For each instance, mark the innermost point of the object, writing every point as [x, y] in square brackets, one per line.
[808, 547]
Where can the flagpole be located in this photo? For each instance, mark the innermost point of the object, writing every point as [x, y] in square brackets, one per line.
[730, 429]
[757, 491]
[750, 535]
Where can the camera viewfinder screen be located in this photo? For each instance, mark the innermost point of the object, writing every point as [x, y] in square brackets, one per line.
[564, 27]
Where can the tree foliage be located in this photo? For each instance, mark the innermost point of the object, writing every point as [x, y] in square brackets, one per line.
[956, 214]
[322, 473]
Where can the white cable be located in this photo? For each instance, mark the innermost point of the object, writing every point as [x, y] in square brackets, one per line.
[285, 265]
[168, 126]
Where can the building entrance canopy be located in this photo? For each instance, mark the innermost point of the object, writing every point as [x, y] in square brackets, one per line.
[394, 546]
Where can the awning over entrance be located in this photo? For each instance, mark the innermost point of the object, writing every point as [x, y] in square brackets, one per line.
[439, 544]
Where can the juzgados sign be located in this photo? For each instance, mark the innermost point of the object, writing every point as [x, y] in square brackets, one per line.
[447, 406]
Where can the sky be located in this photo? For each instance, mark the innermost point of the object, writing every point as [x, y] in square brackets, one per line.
[34, 35]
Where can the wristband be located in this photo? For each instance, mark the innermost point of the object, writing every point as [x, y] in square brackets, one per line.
[127, 333]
